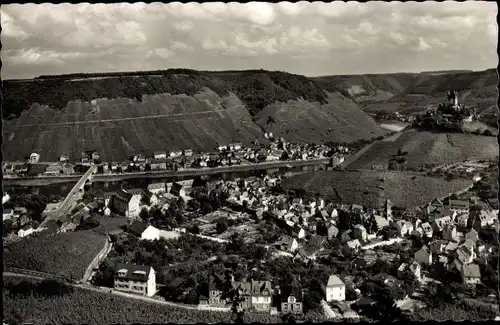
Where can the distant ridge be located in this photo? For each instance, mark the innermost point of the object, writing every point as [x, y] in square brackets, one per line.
[121, 113]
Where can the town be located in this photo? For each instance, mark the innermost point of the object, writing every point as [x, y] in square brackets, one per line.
[286, 163]
[233, 154]
[407, 252]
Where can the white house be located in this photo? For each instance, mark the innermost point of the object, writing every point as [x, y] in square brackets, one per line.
[157, 187]
[151, 233]
[8, 214]
[34, 157]
[335, 289]
[26, 231]
[175, 153]
[160, 155]
[133, 278]
[5, 198]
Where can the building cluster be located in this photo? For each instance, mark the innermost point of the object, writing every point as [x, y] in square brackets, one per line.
[225, 155]
[248, 295]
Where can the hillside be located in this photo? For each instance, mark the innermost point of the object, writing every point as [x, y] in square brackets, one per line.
[372, 188]
[414, 92]
[427, 148]
[123, 113]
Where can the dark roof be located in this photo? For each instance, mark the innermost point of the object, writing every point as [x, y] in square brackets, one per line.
[137, 227]
[258, 287]
[365, 301]
[123, 196]
[216, 281]
[244, 286]
[291, 290]
[316, 241]
[133, 272]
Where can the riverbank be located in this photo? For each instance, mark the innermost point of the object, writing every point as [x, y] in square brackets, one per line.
[49, 180]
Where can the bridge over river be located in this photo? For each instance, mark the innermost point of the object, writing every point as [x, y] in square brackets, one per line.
[73, 195]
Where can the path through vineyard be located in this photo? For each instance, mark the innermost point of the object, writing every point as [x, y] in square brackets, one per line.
[107, 291]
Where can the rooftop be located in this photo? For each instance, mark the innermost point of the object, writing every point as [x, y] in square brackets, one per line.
[334, 281]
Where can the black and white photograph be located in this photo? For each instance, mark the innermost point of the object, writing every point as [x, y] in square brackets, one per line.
[258, 162]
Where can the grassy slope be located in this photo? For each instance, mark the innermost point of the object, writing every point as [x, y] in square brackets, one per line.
[64, 254]
[414, 92]
[364, 187]
[429, 148]
[199, 110]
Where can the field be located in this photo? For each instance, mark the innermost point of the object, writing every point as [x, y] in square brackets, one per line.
[372, 188]
[64, 254]
[428, 148]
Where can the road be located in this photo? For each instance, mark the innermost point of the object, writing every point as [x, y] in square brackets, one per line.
[65, 205]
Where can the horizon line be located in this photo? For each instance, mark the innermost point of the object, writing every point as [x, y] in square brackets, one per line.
[131, 73]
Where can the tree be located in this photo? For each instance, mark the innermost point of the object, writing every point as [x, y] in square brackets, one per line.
[194, 230]
[221, 225]
[144, 215]
[181, 204]
[344, 221]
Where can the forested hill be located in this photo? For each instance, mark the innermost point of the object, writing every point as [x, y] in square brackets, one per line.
[255, 88]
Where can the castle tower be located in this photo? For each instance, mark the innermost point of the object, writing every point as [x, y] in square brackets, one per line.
[453, 98]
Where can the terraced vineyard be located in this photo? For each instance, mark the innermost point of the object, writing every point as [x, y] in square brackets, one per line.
[63, 254]
[121, 114]
[372, 188]
[427, 148]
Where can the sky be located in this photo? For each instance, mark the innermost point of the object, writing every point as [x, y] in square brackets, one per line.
[305, 38]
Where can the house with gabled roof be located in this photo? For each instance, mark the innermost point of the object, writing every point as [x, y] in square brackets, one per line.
[291, 299]
[462, 219]
[471, 274]
[139, 279]
[438, 246]
[287, 244]
[424, 256]
[332, 232]
[426, 227]
[440, 223]
[244, 289]
[125, 202]
[335, 289]
[458, 205]
[450, 233]
[261, 295]
[472, 235]
[353, 245]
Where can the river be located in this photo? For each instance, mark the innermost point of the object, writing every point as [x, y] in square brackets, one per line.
[63, 189]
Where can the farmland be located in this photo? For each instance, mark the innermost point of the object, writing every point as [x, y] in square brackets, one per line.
[63, 254]
[122, 122]
[372, 188]
[427, 148]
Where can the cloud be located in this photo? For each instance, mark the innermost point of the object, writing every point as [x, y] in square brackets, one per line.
[303, 37]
